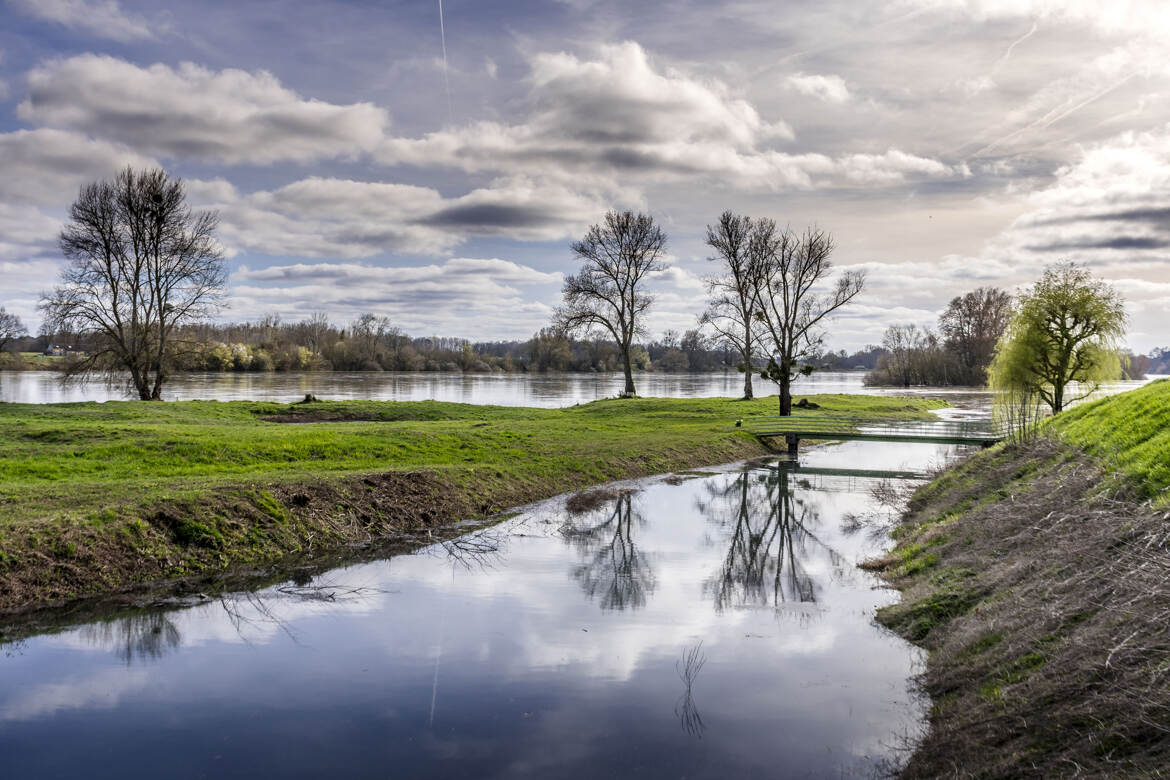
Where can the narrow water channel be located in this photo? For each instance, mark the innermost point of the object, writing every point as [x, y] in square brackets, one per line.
[702, 626]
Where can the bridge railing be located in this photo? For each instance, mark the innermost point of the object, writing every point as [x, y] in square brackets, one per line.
[810, 426]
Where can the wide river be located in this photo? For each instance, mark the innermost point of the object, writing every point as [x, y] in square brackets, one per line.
[542, 390]
[710, 625]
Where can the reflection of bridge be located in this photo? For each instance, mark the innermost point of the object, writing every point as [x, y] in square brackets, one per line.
[824, 427]
[794, 467]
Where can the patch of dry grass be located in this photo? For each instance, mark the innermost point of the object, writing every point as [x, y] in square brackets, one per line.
[1041, 585]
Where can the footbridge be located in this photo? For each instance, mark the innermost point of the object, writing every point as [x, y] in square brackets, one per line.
[793, 428]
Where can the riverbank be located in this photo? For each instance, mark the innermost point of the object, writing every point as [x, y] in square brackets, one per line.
[1038, 577]
[99, 497]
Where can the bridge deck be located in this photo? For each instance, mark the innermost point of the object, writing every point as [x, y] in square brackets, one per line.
[826, 427]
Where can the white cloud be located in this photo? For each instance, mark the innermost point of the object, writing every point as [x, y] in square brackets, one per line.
[618, 117]
[342, 218]
[461, 296]
[830, 88]
[104, 18]
[1132, 16]
[47, 167]
[191, 112]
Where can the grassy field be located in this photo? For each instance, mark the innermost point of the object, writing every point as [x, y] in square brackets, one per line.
[1038, 576]
[98, 496]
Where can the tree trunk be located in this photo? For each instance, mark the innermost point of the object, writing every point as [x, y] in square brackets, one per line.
[785, 396]
[629, 392]
[747, 382]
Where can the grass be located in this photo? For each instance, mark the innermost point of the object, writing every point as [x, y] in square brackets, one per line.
[1129, 431]
[1038, 577]
[95, 496]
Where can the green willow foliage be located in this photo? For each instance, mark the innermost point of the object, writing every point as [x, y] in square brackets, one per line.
[1065, 333]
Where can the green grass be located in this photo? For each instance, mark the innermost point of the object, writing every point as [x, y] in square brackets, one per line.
[1129, 431]
[65, 457]
[97, 495]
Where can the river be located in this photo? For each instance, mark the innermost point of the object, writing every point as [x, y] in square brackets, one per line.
[710, 625]
[540, 390]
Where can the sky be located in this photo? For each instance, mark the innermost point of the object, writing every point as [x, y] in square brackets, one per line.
[364, 156]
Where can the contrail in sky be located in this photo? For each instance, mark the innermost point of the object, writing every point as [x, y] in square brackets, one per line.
[446, 81]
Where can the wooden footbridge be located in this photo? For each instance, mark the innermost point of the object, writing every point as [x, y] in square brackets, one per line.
[829, 428]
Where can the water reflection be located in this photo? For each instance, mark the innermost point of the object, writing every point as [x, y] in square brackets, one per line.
[688, 668]
[771, 536]
[145, 637]
[709, 629]
[612, 568]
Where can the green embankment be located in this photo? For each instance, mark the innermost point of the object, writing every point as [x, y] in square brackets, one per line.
[1038, 577]
[96, 497]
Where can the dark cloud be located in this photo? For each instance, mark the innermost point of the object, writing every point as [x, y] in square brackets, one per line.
[1119, 242]
[1157, 215]
[491, 215]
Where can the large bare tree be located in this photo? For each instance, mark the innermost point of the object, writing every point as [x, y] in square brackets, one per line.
[792, 307]
[140, 264]
[606, 293]
[733, 292]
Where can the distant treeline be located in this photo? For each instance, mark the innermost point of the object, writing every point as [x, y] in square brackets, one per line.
[909, 356]
[373, 343]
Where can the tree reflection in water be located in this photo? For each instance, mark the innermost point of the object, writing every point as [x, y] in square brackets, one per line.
[613, 569]
[148, 636]
[770, 544]
[145, 637]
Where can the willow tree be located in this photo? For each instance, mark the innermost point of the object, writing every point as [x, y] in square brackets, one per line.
[733, 294]
[606, 294]
[1066, 330]
[796, 299]
[140, 264]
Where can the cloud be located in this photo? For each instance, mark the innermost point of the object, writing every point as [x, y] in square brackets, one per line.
[461, 296]
[230, 116]
[831, 89]
[104, 18]
[1133, 16]
[342, 218]
[43, 171]
[617, 116]
[48, 166]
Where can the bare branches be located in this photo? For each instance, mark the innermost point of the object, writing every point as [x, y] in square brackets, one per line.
[688, 668]
[605, 294]
[791, 311]
[140, 265]
[734, 292]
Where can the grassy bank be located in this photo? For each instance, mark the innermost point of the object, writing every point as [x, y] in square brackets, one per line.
[1038, 576]
[96, 497]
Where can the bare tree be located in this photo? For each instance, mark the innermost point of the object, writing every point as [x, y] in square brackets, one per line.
[316, 328]
[11, 328]
[972, 325]
[792, 310]
[618, 255]
[901, 341]
[140, 264]
[733, 293]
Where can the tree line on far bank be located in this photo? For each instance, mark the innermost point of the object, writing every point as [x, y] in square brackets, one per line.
[144, 274]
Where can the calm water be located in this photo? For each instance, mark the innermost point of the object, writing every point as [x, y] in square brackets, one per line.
[547, 390]
[713, 628]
